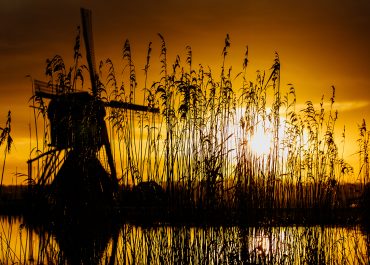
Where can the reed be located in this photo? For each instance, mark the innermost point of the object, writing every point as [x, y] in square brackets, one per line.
[5, 138]
[199, 148]
[364, 153]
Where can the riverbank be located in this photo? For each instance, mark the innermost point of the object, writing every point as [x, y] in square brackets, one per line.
[154, 209]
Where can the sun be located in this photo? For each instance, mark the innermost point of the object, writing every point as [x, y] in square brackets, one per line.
[259, 138]
[261, 142]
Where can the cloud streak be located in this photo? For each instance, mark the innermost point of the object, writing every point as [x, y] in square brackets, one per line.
[341, 106]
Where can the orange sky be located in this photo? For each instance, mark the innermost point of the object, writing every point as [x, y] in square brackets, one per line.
[320, 43]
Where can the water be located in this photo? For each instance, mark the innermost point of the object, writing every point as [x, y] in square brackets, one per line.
[22, 243]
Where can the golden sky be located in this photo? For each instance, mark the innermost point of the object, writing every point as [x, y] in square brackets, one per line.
[320, 44]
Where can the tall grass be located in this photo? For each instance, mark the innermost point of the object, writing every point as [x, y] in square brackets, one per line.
[200, 145]
[364, 153]
[45, 161]
[5, 138]
[199, 148]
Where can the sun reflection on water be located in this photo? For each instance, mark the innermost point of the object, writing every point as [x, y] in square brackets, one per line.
[197, 245]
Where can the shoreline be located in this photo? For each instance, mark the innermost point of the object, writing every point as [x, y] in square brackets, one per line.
[21, 203]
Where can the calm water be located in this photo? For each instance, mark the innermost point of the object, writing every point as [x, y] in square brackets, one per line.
[21, 243]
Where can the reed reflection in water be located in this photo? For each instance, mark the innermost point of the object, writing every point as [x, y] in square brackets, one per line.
[21, 244]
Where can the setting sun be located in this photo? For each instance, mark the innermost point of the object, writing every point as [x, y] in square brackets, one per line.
[261, 142]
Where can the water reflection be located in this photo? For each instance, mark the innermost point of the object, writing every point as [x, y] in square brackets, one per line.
[130, 244]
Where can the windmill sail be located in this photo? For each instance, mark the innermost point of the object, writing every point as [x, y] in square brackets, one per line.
[89, 44]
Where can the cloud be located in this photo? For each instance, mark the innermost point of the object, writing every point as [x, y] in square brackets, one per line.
[341, 106]
[350, 105]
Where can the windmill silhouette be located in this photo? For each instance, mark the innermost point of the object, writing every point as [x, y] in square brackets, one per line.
[77, 126]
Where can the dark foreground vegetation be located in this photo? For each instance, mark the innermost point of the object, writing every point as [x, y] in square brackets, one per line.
[148, 204]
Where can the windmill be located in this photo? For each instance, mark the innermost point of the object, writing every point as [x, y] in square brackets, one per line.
[77, 126]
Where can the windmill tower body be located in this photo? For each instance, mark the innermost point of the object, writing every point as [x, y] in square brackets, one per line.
[77, 121]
